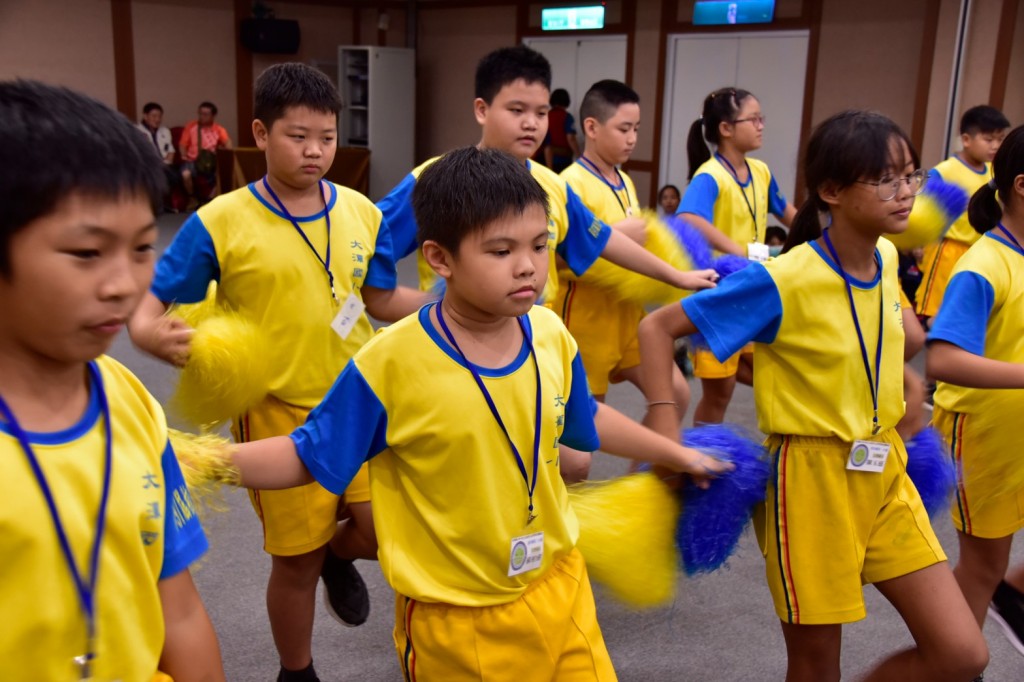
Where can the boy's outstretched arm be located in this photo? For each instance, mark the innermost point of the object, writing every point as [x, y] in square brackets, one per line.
[626, 253]
[269, 464]
[657, 336]
[954, 365]
[391, 305]
[162, 336]
[191, 652]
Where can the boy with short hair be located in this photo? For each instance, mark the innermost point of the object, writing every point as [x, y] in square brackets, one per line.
[982, 129]
[512, 104]
[98, 526]
[460, 410]
[605, 328]
[291, 252]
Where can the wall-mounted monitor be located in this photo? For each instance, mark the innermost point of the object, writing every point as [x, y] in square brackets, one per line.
[572, 18]
[725, 12]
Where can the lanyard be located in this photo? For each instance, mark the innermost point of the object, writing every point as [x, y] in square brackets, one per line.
[590, 165]
[753, 188]
[325, 262]
[872, 383]
[86, 589]
[1012, 238]
[531, 485]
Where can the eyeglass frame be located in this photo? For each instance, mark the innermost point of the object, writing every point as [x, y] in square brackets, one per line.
[756, 120]
[894, 185]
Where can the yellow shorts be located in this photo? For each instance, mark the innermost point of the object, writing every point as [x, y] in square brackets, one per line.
[604, 329]
[548, 633]
[975, 442]
[707, 366]
[295, 520]
[826, 531]
[936, 267]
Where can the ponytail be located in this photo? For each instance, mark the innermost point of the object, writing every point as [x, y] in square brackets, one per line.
[984, 211]
[806, 226]
[697, 151]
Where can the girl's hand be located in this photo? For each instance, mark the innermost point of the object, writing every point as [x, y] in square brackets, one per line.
[695, 280]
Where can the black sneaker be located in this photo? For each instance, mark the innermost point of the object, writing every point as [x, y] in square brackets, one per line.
[1007, 609]
[682, 357]
[307, 674]
[345, 595]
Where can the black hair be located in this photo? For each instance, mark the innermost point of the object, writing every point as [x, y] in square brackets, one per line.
[55, 143]
[982, 119]
[560, 98]
[721, 106]
[507, 65]
[209, 105]
[282, 86]
[776, 232]
[604, 98]
[845, 148]
[662, 191]
[984, 211]
[150, 106]
[469, 188]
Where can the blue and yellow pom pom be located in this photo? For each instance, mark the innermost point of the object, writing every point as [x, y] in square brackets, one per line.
[626, 531]
[930, 467]
[935, 210]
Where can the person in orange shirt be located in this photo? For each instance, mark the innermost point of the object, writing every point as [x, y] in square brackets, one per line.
[214, 137]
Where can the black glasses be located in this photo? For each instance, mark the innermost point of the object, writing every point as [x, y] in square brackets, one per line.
[888, 189]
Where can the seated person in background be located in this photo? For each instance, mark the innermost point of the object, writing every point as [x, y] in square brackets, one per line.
[199, 160]
[668, 200]
[152, 125]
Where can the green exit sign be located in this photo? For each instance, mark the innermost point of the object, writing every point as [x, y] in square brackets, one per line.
[572, 18]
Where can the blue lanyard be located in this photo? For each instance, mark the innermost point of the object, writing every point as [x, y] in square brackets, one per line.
[325, 262]
[590, 165]
[531, 485]
[872, 383]
[86, 590]
[753, 188]
[1011, 237]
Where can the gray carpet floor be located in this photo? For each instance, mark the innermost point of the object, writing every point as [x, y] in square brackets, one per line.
[720, 627]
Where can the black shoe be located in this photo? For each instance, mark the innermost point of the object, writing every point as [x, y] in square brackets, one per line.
[682, 357]
[345, 595]
[307, 674]
[1007, 609]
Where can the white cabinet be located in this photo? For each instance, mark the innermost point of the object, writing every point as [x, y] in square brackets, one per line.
[378, 89]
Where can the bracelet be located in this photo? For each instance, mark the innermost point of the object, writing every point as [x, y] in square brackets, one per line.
[662, 402]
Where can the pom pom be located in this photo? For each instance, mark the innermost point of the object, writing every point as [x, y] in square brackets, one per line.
[713, 519]
[729, 263]
[626, 285]
[693, 242]
[226, 373]
[205, 462]
[930, 467]
[626, 528]
[935, 209]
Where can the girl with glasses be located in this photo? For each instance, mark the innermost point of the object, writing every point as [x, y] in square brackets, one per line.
[840, 510]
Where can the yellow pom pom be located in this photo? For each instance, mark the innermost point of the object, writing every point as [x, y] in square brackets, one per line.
[206, 465]
[627, 536]
[626, 285]
[226, 373]
[926, 225]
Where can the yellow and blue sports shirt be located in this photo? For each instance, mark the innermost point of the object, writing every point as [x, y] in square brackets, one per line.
[573, 231]
[448, 496]
[954, 170]
[265, 270]
[716, 196]
[809, 375]
[982, 313]
[152, 533]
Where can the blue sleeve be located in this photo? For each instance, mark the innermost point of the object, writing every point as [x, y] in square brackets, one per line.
[184, 540]
[744, 307]
[585, 237]
[579, 432]
[776, 199]
[570, 125]
[381, 271]
[700, 197]
[187, 267]
[398, 214]
[963, 316]
[347, 428]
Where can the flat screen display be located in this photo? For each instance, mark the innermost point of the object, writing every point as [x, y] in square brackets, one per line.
[572, 18]
[725, 12]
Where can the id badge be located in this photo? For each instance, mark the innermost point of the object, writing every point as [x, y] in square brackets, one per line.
[758, 252]
[347, 317]
[526, 553]
[866, 455]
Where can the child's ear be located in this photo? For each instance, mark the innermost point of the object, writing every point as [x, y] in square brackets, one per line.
[829, 193]
[438, 258]
[590, 127]
[260, 132]
[725, 130]
[480, 110]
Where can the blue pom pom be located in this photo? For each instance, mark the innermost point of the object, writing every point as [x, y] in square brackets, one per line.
[930, 467]
[713, 520]
[698, 342]
[951, 198]
[439, 286]
[729, 263]
[692, 241]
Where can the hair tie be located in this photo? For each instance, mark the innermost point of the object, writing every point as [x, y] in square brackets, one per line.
[992, 184]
